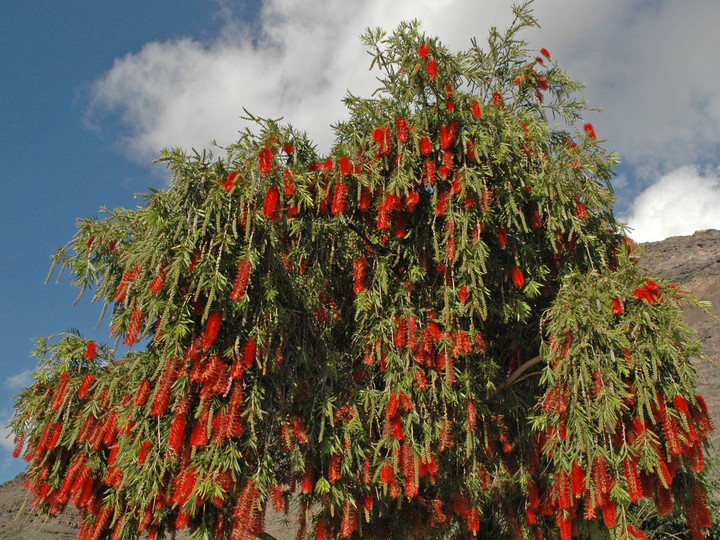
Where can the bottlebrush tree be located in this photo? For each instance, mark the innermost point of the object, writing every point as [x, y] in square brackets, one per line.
[438, 330]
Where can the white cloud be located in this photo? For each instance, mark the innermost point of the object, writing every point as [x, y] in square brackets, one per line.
[19, 380]
[679, 203]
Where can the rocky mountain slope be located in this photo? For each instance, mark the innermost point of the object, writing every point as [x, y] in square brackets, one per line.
[691, 262]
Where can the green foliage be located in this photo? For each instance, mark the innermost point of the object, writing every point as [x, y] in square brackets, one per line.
[435, 331]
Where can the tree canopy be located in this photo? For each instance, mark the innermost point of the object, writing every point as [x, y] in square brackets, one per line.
[437, 330]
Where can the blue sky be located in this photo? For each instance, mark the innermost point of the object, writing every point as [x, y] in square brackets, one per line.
[90, 92]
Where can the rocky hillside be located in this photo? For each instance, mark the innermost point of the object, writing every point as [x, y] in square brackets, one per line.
[691, 262]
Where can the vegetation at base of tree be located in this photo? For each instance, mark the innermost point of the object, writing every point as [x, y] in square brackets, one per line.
[438, 330]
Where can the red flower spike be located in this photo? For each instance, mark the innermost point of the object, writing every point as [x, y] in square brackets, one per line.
[230, 181]
[265, 161]
[476, 109]
[497, 99]
[577, 479]
[412, 200]
[402, 129]
[90, 351]
[381, 136]
[339, 198]
[580, 211]
[345, 166]
[517, 277]
[270, 204]
[242, 280]
[211, 329]
[145, 448]
[432, 68]
[364, 202]
[590, 131]
[610, 514]
[85, 385]
[425, 146]
[450, 105]
[289, 183]
[423, 50]
[502, 236]
[616, 306]
[288, 149]
[463, 294]
[545, 53]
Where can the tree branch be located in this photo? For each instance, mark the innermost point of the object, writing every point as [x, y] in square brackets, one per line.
[515, 375]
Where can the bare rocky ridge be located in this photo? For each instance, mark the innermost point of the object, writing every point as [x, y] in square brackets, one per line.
[691, 262]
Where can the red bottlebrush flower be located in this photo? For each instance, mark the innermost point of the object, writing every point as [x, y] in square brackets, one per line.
[364, 202]
[463, 294]
[387, 475]
[270, 205]
[450, 105]
[329, 164]
[400, 332]
[632, 476]
[535, 219]
[431, 68]
[616, 306]
[402, 129]
[85, 385]
[134, 327]
[142, 393]
[517, 277]
[359, 268]
[447, 135]
[497, 99]
[211, 329]
[562, 489]
[288, 149]
[230, 181]
[502, 236]
[577, 479]
[590, 131]
[194, 260]
[425, 146]
[90, 350]
[289, 183]
[339, 198]
[421, 380]
[381, 136]
[609, 514]
[265, 160]
[334, 468]
[476, 109]
[441, 202]
[580, 211]
[545, 53]
[412, 200]
[423, 50]
[430, 172]
[345, 166]
[471, 415]
[157, 284]
[681, 404]
[242, 280]
[308, 480]
[145, 448]
[635, 532]
[249, 352]
[177, 433]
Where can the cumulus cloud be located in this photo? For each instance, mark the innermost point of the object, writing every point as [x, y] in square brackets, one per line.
[19, 380]
[679, 203]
